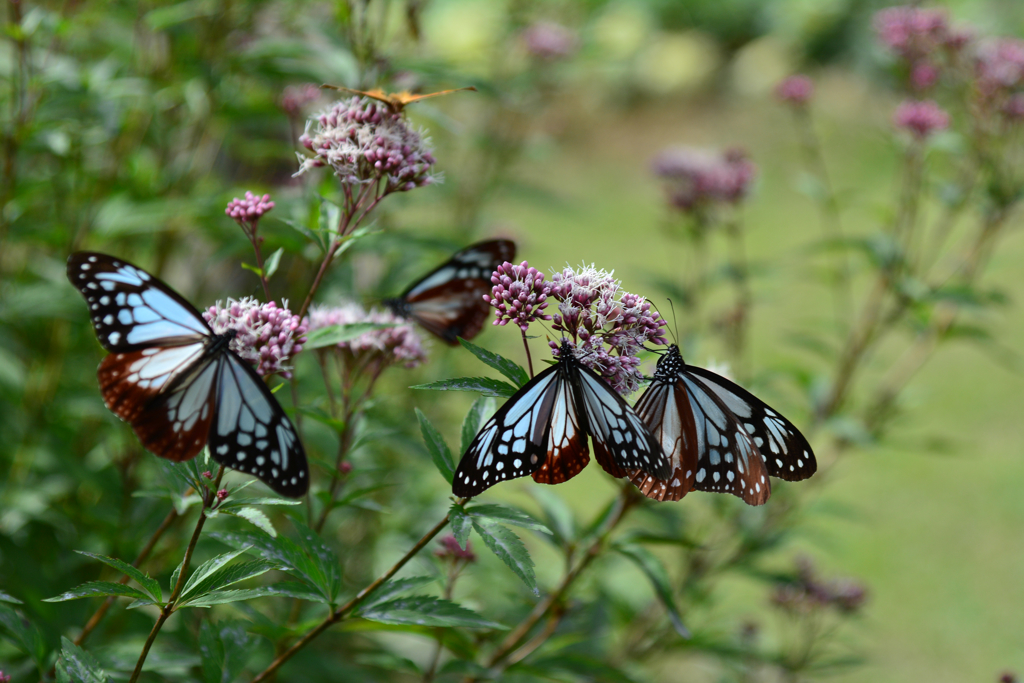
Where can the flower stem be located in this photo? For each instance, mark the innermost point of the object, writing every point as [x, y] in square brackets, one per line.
[526, 345]
[343, 611]
[168, 609]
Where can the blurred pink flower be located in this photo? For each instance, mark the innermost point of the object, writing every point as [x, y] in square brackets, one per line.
[519, 293]
[380, 348]
[296, 97]
[698, 177]
[912, 32]
[549, 41]
[450, 548]
[920, 118]
[363, 141]
[265, 335]
[924, 75]
[797, 90]
[999, 65]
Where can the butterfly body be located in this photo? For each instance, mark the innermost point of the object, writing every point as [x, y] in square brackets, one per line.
[448, 301]
[178, 383]
[719, 436]
[543, 429]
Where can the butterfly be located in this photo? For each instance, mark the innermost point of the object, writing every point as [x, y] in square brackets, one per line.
[177, 383]
[396, 101]
[448, 301]
[719, 436]
[542, 431]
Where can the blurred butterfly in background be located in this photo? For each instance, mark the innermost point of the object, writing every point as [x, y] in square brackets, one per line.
[542, 430]
[719, 436]
[177, 383]
[448, 301]
[396, 101]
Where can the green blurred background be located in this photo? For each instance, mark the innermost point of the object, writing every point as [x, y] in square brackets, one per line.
[152, 120]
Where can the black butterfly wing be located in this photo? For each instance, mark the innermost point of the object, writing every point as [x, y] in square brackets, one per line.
[251, 432]
[785, 451]
[130, 309]
[533, 424]
[622, 441]
[448, 301]
[728, 459]
[665, 409]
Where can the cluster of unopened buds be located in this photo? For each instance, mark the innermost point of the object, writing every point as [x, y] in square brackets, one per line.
[363, 141]
[809, 593]
[699, 178]
[248, 211]
[519, 295]
[265, 335]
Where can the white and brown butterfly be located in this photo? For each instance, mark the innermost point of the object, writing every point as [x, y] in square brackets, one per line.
[396, 101]
[177, 383]
[448, 301]
[542, 431]
[718, 435]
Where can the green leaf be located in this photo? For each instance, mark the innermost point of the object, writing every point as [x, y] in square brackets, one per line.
[244, 502]
[271, 264]
[507, 546]
[75, 665]
[336, 334]
[461, 524]
[481, 409]
[251, 268]
[506, 515]
[150, 585]
[481, 385]
[437, 448]
[94, 589]
[224, 650]
[424, 610]
[7, 597]
[503, 365]
[389, 589]
[224, 597]
[294, 589]
[24, 634]
[305, 232]
[285, 554]
[557, 514]
[655, 572]
[324, 557]
[254, 516]
[217, 574]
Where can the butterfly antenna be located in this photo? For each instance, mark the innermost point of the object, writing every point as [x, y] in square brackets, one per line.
[675, 322]
[675, 334]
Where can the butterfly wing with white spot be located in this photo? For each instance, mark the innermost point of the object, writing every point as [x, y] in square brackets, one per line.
[251, 432]
[129, 308]
[665, 409]
[514, 442]
[785, 450]
[728, 459]
[567, 452]
[622, 441]
[448, 301]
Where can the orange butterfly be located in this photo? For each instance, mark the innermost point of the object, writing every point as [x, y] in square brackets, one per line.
[396, 101]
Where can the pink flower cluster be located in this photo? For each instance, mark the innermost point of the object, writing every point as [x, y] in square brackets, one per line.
[247, 212]
[450, 549]
[398, 344]
[549, 41]
[295, 97]
[363, 141]
[519, 293]
[796, 90]
[700, 178]
[265, 335]
[809, 592]
[922, 39]
[921, 119]
[607, 326]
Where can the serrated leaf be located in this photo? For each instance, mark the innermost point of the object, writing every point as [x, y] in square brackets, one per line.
[485, 386]
[24, 634]
[461, 524]
[7, 597]
[336, 334]
[424, 610]
[225, 576]
[294, 589]
[389, 589]
[509, 549]
[273, 261]
[75, 665]
[224, 650]
[437, 447]
[323, 555]
[655, 572]
[225, 597]
[150, 585]
[506, 515]
[254, 516]
[94, 589]
[208, 569]
[285, 554]
[478, 413]
[503, 365]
